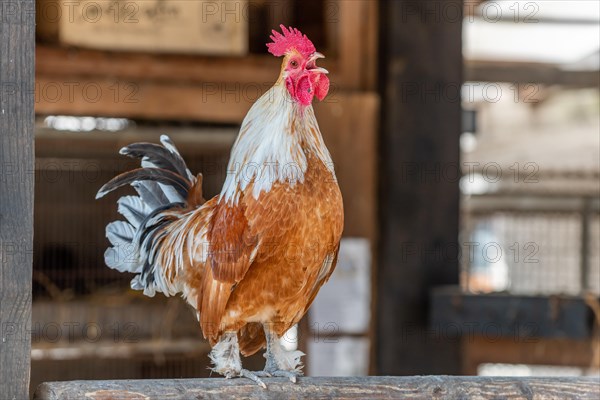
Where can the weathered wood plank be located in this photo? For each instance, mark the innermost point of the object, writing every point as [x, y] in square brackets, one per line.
[419, 387]
[17, 45]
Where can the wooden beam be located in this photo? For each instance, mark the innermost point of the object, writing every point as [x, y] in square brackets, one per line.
[519, 72]
[225, 103]
[17, 47]
[192, 142]
[418, 210]
[70, 62]
[479, 350]
[503, 315]
[386, 387]
[62, 62]
[109, 349]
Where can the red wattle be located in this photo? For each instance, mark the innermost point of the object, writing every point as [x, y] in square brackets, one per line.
[305, 90]
[322, 87]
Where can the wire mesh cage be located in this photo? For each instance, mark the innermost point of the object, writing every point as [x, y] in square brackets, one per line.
[531, 244]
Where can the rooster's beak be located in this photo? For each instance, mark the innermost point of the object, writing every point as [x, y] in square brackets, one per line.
[316, 55]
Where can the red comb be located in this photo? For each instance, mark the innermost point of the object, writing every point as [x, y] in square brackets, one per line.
[292, 38]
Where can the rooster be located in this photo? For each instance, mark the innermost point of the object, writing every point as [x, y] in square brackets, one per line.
[250, 260]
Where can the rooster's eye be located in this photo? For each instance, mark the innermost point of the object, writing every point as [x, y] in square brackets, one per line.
[294, 63]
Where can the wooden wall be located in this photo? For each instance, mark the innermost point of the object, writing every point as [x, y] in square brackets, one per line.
[17, 28]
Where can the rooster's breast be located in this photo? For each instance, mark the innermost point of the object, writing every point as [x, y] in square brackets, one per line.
[300, 229]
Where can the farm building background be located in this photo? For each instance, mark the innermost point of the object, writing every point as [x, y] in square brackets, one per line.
[529, 177]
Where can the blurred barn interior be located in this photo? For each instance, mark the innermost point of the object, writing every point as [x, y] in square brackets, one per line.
[515, 280]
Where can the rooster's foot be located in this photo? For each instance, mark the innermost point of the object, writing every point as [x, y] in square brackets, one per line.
[254, 376]
[291, 375]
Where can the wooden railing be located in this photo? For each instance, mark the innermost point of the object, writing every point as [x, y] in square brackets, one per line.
[384, 387]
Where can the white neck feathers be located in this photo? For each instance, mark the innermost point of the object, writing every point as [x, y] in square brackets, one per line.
[274, 141]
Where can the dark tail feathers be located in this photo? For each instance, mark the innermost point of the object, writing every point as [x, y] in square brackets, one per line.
[163, 182]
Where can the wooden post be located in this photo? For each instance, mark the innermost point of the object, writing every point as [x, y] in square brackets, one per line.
[421, 76]
[17, 46]
[584, 254]
[383, 387]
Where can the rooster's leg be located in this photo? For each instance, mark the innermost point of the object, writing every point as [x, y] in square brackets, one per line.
[281, 362]
[225, 355]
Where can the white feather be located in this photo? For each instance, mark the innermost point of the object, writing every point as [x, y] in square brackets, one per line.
[123, 255]
[272, 145]
[119, 232]
[135, 203]
[225, 356]
[287, 360]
